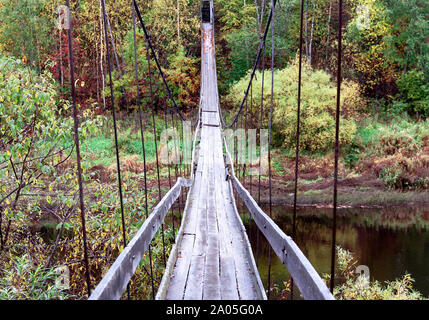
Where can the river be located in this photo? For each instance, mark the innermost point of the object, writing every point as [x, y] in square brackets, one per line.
[390, 241]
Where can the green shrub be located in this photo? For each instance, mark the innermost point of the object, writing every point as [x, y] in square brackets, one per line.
[414, 91]
[392, 177]
[318, 103]
[358, 287]
[21, 280]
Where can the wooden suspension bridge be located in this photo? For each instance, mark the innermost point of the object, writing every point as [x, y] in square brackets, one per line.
[212, 257]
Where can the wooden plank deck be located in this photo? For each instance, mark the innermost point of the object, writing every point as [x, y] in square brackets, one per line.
[212, 258]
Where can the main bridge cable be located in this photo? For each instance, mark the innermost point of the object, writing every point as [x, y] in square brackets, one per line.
[170, 94]
[337, 133]
[258, 57]
[78, 157]
[124, 235]
[143, 145]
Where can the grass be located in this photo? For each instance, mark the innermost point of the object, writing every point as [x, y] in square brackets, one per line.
[100, 149]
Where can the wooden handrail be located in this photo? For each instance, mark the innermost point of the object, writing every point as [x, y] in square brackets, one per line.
[303, 273]
[117, 277]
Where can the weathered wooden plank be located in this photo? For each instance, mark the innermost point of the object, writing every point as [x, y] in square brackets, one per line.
[117, 277]
[229, 289]
[211, 289]
[194, 289]
[189, 213]
[194, 283]
[245, 268]
[212, 273]
[177, 284]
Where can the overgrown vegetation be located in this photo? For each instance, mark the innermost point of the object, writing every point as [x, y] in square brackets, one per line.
[358, 287]
[384, 124]
[318, 107]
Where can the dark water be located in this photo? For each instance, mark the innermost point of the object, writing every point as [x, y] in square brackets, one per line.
[390, 241]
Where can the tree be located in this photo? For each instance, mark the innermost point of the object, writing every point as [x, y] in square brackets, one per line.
[26, 30]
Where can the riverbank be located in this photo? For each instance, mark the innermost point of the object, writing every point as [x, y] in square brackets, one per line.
[358, 192]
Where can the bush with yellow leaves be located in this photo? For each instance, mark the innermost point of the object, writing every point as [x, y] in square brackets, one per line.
[318, 104]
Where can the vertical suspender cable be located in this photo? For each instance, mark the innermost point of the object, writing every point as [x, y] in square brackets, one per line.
[124, 236]
[251, 147]
[269, 137]
[154, 136]
[169, 183]
[143, 143]
[298, 124]
[243, 156]
[245, 162]
[261, 120]
[168, 153]
[298, 120]
[337, 133]
[182, 169]
[178, 166]
[78, 157]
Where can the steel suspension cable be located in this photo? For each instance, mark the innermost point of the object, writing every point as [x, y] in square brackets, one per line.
[168, 153]
[118, 165]
[269, 138]
[155, 139]
[258, 57]
[250, 149]
[155, 136]
[169, 176]
[298, 120]
[337, 134]
[143, 145]
[78, 156]
[170, 93]
[261, 119]
[178, 167]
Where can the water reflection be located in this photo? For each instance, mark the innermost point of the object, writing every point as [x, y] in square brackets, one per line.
[390, 241]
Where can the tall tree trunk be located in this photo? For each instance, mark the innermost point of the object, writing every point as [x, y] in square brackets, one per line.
[97, 74]
[112, 40]
[61, 57]
[306, 29]
[328, 36]
[101, 60]
[310, 49]
[258, 18]
[262, 16]
[246, 43]
[178, 23]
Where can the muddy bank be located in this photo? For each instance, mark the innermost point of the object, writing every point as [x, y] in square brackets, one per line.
[359, 192]
[362, 191]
